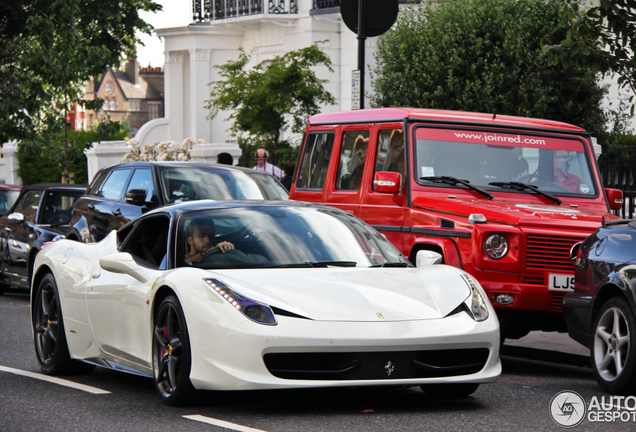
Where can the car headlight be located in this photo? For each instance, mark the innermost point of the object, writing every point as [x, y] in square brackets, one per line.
[255, 311]
[496, 246]
[476, 301]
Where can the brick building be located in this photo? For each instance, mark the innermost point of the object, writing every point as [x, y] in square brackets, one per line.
[134, 94]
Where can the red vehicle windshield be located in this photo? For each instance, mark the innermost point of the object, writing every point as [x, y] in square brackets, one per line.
[553, 164]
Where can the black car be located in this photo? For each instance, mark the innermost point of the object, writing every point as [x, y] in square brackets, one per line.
[601, 312]
[41, 213]
[120, 193]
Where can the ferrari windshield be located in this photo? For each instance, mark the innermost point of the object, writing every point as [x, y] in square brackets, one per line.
[188, 183]
[280, 236]
[496, 160]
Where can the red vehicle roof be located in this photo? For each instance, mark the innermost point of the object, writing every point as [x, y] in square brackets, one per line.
[10, 187]
[399, 114]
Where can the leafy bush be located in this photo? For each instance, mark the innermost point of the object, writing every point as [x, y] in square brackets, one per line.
[41, 159]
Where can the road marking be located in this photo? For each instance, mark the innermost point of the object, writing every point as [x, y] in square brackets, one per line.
[58, 381]
[221, 423]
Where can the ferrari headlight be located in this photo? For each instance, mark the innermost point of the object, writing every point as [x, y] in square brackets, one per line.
[476, 301]
[255, 311]
[496, 246]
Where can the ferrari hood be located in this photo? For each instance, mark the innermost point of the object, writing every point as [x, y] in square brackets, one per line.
[517, 213]
[349, 294]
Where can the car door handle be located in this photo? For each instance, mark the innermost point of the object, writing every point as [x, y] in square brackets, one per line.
[91, 206]
[117, 212]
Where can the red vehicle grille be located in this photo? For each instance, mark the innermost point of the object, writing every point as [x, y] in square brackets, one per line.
[549, 253]
[556, 303]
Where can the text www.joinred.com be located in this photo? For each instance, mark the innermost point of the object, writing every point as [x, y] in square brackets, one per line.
[500, 138]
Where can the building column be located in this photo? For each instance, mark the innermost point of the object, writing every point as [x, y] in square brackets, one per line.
[174, 97]
[199, 93]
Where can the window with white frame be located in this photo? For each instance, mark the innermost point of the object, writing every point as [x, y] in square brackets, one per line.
[113, 104]
[135, 105]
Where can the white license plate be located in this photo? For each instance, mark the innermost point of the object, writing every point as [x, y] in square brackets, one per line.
[562, 283]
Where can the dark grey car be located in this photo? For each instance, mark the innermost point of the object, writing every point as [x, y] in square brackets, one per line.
[120, 193]
[41, 213]
[601, 312]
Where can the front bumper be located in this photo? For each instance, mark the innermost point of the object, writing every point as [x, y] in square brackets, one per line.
[232, 358]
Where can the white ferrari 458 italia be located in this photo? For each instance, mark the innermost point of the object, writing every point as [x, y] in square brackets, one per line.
[247, 295]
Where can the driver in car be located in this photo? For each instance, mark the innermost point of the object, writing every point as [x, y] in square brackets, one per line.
[200, 237]
[569, 181]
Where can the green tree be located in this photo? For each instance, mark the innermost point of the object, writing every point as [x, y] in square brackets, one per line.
[484, 56]
[264, 99]
[602, 38]
[49, 47]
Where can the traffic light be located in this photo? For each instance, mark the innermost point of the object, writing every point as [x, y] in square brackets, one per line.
[68, 120]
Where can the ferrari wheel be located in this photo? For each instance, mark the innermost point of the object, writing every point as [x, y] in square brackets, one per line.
[48, 329]
[171, 354]
[449, 390]
[613, 356]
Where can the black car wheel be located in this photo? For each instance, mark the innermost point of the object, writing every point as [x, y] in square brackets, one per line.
[48, 329]
[449, 390]
[613, 356]
[171, 354]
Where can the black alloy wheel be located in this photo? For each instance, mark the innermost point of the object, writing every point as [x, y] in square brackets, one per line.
[48, 329]
[613, 351]
[171, 354]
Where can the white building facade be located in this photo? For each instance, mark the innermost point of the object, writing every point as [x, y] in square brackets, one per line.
[262, 28]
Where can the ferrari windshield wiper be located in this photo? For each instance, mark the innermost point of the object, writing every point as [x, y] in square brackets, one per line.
[523, 186]
[332, 263]
[310, 264]
[393, 264]
[454, 181]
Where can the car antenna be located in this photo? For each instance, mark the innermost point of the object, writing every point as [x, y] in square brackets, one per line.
[494, 116]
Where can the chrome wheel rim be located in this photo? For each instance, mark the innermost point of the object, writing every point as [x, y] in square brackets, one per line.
[46, 323]
[611, 344]
[167, 350]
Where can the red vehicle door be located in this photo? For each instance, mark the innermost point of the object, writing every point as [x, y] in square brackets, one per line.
[351, 172]
[385, 211]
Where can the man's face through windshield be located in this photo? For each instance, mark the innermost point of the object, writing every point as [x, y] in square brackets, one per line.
[202, 238]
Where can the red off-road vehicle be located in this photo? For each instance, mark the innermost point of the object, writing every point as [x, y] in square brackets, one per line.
[504, 198]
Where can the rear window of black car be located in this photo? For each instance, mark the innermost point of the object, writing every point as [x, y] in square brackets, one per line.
[192, 183]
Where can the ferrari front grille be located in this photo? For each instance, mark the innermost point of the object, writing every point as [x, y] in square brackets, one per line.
[376, 365]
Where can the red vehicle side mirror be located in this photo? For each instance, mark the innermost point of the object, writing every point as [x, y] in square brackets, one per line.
[615, 198]
[387, 182]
